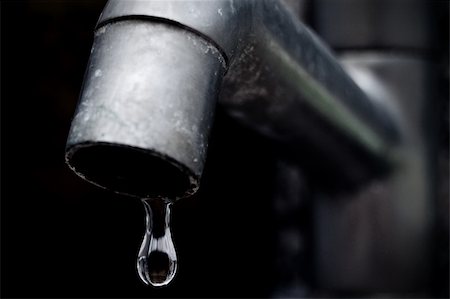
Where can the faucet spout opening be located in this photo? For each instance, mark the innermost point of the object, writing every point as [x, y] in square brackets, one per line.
[131, 170]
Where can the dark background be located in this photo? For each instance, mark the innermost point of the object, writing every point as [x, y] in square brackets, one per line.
[61, 237]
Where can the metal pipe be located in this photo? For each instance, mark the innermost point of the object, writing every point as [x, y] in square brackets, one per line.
[155, 73]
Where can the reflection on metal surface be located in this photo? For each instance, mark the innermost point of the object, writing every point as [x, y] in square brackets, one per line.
[357, 133]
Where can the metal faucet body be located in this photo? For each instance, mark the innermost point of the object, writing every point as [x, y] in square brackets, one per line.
[157, 69]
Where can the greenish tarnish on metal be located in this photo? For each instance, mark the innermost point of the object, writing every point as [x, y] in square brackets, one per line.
[324, 102]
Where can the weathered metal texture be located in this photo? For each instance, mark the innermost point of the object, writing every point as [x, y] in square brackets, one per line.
[149, 89]
[222, 21]
[167, 58]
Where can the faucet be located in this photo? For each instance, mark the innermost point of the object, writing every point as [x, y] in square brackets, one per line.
[158, 68]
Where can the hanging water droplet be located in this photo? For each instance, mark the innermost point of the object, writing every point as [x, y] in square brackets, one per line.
[157, 259]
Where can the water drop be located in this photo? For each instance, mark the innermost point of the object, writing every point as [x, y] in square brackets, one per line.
[157, 259]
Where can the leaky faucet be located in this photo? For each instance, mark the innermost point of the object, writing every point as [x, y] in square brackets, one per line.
[158, 68]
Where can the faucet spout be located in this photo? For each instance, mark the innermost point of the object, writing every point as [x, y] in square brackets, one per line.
[146, 107]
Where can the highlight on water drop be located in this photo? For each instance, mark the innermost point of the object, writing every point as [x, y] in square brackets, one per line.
[157, 259]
